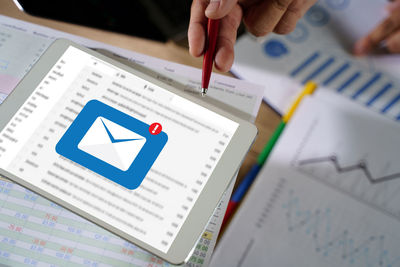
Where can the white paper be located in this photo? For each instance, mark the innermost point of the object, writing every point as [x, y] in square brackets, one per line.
[220, 86]
[328, 195]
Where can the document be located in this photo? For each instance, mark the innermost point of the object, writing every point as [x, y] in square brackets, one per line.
[320, 49]
[34, 39]
[328, 195]
[50, 234]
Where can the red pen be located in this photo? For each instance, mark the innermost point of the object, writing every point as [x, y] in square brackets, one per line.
[209, 54]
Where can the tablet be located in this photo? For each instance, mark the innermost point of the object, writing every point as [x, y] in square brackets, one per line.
[138, 157]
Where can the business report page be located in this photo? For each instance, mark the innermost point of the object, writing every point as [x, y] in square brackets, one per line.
[126, 151]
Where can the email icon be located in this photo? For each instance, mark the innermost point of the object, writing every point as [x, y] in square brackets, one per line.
[112, 144]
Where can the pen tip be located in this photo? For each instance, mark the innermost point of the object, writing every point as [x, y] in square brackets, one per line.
[203, 91]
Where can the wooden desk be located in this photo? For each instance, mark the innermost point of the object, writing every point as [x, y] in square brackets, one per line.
[266, 120]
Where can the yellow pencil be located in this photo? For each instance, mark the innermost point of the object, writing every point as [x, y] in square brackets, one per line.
[309, 88]
[241, 190]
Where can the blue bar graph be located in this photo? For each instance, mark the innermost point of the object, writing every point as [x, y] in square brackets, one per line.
[379, 94]
[320, 69]
[347, 83]
[336, 74]
[305, 64]
[391, 103]
[367, 85]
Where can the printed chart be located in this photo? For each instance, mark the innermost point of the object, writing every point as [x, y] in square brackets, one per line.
[356, 157]
[320, 49]
[328, 195]
[353, 153]
[321, 228]
[373, 89]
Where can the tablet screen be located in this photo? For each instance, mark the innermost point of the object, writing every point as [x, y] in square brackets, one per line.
[125, 151]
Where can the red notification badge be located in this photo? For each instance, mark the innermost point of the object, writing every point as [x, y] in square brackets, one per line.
[155, 128]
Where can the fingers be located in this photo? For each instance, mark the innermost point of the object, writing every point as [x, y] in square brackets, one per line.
[197, 26]
[218, 9]
[200, 10]
[262, 18]
[294, 12]
[227, 38]
[227, 31]
[279, 16]
[379, 34]
[393, 42]
[392, 6]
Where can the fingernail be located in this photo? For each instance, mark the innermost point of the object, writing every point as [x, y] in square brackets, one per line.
[212, 6]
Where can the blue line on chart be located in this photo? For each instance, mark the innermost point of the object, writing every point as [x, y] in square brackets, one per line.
[367, 85]
[304, 64]
[391, 103]
[379, 94]
[336, 74]
[349, 81]
[320, 69]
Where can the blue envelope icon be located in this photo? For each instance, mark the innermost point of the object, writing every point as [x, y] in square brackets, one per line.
[112, 144]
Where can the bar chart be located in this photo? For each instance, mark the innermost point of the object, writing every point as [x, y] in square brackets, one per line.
[376, 90]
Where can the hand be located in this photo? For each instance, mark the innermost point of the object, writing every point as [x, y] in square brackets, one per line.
[388, 32]
[260, 17]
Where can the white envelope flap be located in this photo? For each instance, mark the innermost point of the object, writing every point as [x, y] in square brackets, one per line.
[119, 132]
[96, 135]
[120, 154]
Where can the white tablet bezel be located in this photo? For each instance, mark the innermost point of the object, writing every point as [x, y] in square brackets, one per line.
[210, 196]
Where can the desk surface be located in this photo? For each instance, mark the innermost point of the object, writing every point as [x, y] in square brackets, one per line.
[266, 120]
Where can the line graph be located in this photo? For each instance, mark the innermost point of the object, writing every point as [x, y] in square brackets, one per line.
[381, 193]
[361, 166]
[352, 151]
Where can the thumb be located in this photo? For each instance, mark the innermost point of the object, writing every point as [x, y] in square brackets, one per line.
[217, 9]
